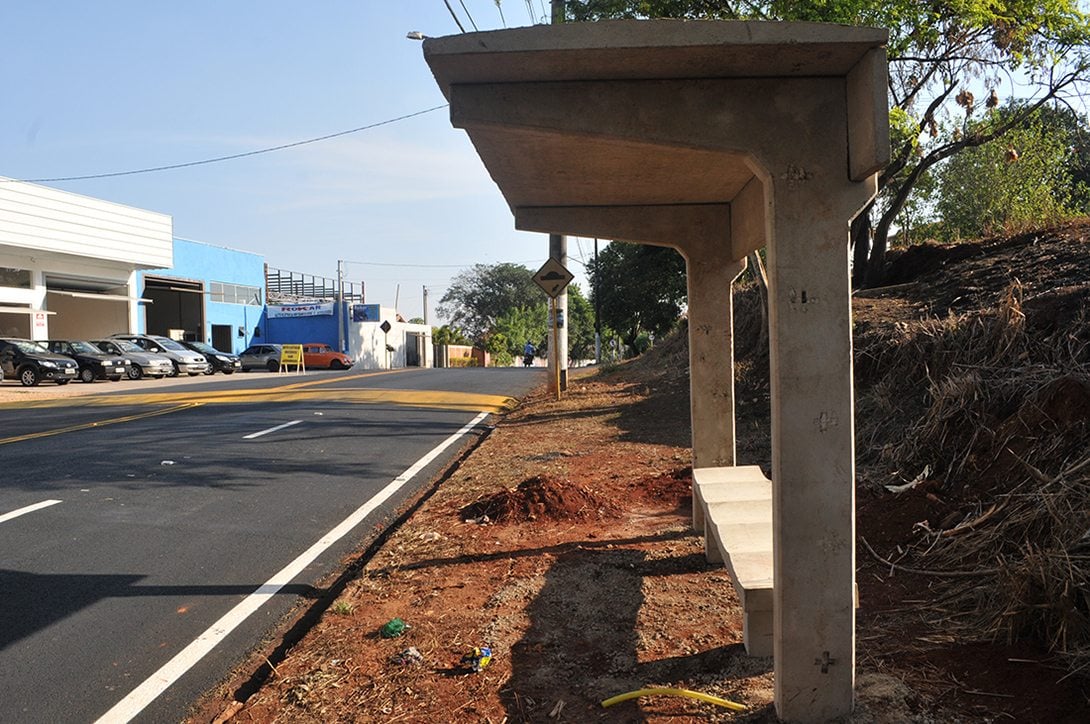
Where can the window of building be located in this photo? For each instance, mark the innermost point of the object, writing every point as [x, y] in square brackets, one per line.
[235, 294]
[14, 278]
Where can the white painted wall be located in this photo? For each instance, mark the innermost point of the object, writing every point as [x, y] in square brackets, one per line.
[367, 342]
[39, 218]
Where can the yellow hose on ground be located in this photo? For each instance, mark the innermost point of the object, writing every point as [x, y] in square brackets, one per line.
[675, 692]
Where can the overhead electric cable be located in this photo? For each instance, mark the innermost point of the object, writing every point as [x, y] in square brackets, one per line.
[226, 158]
[471, 21]
[456, 20]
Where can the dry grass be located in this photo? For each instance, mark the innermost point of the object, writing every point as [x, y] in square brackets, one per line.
[1002, 428]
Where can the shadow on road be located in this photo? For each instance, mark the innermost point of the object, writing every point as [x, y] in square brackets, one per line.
[30, 602]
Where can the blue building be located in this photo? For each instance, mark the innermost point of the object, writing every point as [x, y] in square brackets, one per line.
[211, 294]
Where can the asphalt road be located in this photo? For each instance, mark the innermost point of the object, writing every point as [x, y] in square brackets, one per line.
[150, 537]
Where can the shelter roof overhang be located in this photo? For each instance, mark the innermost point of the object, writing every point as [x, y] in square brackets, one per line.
[501, 84]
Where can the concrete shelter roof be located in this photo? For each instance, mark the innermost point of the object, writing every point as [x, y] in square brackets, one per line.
[645, 50]
[516, 93]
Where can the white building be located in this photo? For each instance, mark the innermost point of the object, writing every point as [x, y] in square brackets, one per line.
[68, 263]
[404, 345]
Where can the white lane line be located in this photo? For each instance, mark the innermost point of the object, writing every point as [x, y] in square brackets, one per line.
[29, 509]
[252, 435]
[126, 709]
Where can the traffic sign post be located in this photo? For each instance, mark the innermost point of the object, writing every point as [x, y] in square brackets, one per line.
[553, 277]
[385, 327]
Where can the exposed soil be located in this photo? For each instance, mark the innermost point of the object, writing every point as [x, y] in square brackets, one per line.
[564, 541]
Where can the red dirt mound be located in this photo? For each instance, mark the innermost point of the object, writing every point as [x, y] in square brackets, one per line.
[541, 497]
[674, 487]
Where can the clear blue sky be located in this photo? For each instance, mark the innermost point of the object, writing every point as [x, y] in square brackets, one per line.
[113, 85]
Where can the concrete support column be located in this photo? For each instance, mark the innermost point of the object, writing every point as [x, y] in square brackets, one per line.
[813, 446]
[132, 289]
[709, 275]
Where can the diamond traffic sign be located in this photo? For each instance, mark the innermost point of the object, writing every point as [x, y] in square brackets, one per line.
[553, 277]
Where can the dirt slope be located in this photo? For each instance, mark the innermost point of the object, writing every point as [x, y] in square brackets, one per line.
[563, 540]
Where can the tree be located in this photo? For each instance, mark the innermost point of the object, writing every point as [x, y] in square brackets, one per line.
[531, 324]
[641, 289]
[1020, 180]
[478, 296]
[936, 49]
[499, 348]
[448, 335]
[580, 323]
[520, 325]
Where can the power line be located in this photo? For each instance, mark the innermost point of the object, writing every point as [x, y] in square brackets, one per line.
[225, 158]
[456, 20]
[471, 21]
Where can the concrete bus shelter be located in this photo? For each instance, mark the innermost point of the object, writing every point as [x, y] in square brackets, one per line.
[717, 139]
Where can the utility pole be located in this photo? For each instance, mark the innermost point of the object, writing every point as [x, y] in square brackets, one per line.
[597, 309]
[340, 305]
[558, 249]
[425, 304]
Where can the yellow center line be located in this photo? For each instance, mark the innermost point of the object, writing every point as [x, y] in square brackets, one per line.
[97, 423]
[340, 378]
[295, 392]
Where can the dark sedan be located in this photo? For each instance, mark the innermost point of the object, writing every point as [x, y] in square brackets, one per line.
[224, 362]
[94, 364]
[31, 363]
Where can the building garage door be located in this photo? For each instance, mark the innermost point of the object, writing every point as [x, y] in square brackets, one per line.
[178, 307]
[86, 308]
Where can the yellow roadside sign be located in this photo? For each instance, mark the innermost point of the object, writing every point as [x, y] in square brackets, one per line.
[291, 355]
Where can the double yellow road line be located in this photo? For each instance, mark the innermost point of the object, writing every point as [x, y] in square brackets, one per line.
[169, 402]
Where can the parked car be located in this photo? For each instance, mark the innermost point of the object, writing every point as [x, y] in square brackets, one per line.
[31, 363]
[94, 364]
[317, 355]
[261, 356]
[142, 363]
[183, 360]
[224, 362]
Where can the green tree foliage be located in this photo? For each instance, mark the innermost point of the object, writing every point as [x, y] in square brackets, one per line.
[448, 335]
[478, 296]
[580, 323]
[641, 288]
[1020, 180]
[936, 49]
[499, 348]
[521, 324]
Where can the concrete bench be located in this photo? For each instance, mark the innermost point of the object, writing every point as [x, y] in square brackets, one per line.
[732, 506]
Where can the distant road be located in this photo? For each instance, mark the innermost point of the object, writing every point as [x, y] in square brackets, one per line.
[151, 536]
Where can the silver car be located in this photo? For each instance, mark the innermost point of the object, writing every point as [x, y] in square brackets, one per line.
[261, 357]
[144, 364]
[183, 360]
